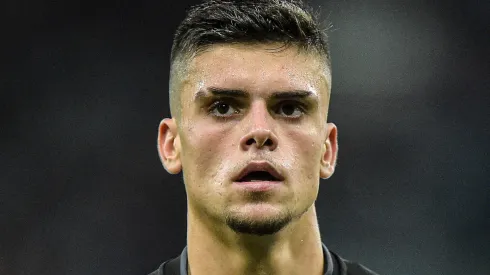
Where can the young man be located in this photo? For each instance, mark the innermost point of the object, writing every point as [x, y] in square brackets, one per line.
[249, 92]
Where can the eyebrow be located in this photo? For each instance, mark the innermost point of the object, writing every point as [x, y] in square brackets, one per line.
[292, 94]
[219, 92]
[222, 92]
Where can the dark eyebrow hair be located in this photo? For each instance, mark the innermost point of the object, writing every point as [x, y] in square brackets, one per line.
[220, 92]
[292, 94]
[242, 94]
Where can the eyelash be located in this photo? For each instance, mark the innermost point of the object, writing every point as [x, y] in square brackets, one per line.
[302, 107]
[216, 103]
[299, 105]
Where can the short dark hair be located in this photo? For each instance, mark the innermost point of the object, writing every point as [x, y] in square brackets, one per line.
[289, 22]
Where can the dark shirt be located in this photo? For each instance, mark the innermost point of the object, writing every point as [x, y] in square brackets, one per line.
[333, 265]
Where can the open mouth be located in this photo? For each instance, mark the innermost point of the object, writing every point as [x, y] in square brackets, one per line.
[259, 171]
[258, 176]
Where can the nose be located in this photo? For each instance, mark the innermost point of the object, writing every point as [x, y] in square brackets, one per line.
[260, 134]
[259, 138]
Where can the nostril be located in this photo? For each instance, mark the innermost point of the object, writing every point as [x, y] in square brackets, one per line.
[268, 142]
[259, 139]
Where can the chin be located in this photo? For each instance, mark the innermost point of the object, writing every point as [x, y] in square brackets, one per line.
[259, 220]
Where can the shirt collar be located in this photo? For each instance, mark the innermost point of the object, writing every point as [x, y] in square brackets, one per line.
[327, 260]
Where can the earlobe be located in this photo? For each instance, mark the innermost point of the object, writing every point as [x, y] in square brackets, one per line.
[330, 150]
[168, 145]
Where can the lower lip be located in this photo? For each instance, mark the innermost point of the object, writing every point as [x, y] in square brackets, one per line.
[258, 186]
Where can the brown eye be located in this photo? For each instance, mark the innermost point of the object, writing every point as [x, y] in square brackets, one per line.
[290, 109]
[223, 108]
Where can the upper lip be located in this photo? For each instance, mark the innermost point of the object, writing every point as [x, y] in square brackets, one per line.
[259, 166]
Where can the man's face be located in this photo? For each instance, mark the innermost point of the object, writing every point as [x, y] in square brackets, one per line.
[253, 138]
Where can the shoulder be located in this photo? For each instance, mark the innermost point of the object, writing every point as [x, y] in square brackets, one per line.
[169, 267]
[358, 269]
[160, 270]
[347, 267]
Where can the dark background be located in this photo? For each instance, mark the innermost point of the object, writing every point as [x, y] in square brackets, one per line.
[84, 86]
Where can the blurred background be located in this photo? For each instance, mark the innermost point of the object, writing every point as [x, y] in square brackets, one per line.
[84, 86]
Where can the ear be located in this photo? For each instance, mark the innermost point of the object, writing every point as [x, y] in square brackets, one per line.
[330, 149]
[169, 146]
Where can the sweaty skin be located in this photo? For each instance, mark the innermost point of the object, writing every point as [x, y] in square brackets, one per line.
[243, 103]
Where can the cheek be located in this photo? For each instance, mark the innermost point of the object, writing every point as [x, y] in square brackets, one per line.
[306, 147]
[203, 151]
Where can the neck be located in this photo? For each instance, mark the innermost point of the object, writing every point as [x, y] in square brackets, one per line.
[296, 249]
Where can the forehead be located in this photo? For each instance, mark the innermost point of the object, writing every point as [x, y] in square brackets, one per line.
[257, 68]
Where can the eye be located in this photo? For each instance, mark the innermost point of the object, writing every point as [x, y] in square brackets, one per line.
[290, 109]
[222, 109]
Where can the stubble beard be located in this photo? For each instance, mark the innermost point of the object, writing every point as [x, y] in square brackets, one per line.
[268, 226]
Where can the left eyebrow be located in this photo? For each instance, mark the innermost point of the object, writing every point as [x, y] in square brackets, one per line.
[293, 94]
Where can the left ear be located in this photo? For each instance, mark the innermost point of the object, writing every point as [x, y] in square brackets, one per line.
[329, 152]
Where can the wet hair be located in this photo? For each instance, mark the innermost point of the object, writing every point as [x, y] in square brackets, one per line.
[288, 22]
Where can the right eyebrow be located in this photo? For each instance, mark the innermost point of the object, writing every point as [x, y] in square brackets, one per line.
[219, 92]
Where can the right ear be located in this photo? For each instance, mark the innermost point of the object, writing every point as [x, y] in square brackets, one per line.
[168, 144]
